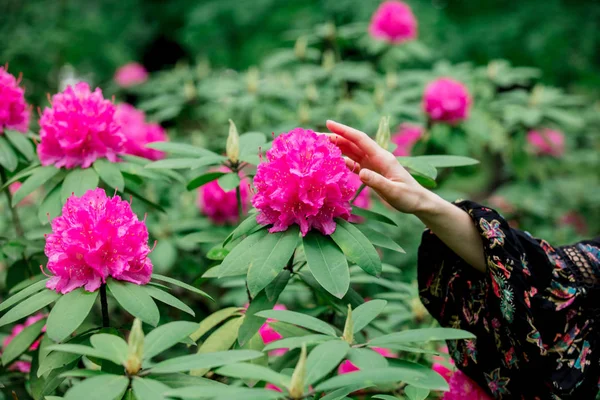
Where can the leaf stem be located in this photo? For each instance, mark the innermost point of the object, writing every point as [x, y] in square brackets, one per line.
[360, 189]
[104, 304]
[15, 215]
[238, 196]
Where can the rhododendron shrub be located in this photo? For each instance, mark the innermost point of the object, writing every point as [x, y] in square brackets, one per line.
[14, 111]
[393, 22]
[447, 100]
[131, 74]
[547, 142]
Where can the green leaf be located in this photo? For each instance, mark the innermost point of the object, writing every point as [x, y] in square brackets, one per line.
[112, 345]
[51, 206]
[327, 263]
[25, 284]
[180, 284]
[166, 336]
[23, 294]
[20, 175]
[367, 312]
[209, 360]
[367, 359]
[29, 306]
[201, 237]
[220, 340]
[21, 343]
[148, 389]
[418, 166]
[387, 397]
[104, 387]
[110, 174]
[254, 372]
[21, 143]
[299, 319]
[42, 386]
[82, 373]
[224, 393]
[204, 179]
[379, 239]
[77, 182]
[217, 253]
[69, 312]
[168, 298]
[269, 256]
[415, 393]
[180, 149]
[251, 141]
[185, 380]
[228, 182]
[276, 287]
[421, 335]
[297, 341]
[213, 320]
[238, 260]
[175, 163]
[252, 322]
[357, 247]
[144, 200]
[8, 158]
[135, 300]
[242, 229]
[324, 358]
[82, 350]
[441, 161]
[37, 179]
[372, 215]
[340, 394]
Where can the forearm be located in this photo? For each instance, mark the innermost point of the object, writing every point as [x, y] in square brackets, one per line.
[454, 227]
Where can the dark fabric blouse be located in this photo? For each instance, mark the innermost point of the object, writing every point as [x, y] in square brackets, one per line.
[535, 312]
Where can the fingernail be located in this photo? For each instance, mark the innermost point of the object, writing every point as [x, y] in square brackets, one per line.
[366, 175]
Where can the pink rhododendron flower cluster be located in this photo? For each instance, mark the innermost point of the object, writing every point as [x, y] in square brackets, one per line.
[219, 206]
[304, 182]
[79, 128]
[96, 237]
[138, 133]
[447, 100]
[348, 366]
[14, 111]
[268, 334]
[393, 22]
[23, 366]
[461, 386]
[406, 138]
[131, 74]
[547, 142]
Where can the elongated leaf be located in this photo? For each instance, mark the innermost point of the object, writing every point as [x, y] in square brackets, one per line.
[82, 373]
[20, 343]
[224, 393]
[372, 215]
[201, 237]
[211, 160]
[213, 320]
[209, 360]
[185, 380]
[20, 175]
[238, 260]
[37, 179]
[327, 263]
[77, 182]
[42, 386]
[69, 312]
[228, 182]
[24, 284]
[175, 163]
[8, 157]
[180, 284]
[300, 319]
[245, 227]
[166, 336]
[168, 298]
[274, 289]
[379, 239]
[21, 143]
[204, 179]
[110, 174]
[418, 166]
[297, 341]
[82, 350]
[220, 340]
[149, 389]
[269, 256]
[324, 358]
[367, 359]
[111, 345]
[251, 141]
[180, 149]
[387, 397]
[23, 294]
[340, 394]
[29, 306]
[357, 247]
[254, 372]
[252, 322]
[367, 312]
[420, 336]
[103, 387]
[51, 206]
[415, 393]
[443, 161]
[135, 300]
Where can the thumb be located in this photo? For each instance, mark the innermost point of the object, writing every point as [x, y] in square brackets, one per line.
[380, 184]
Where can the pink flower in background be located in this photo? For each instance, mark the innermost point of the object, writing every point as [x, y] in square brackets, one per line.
[138, 133]
[447, 100]
[576, 221]
[363, 200]
[463, 388]
[304, 182]
[23, 366]
[348, 366]
[406, 138]
[27, 201]
[268, 334]
[440, 364]
[79, 128]
[270, 386]
[393, 22]
[131, 74]
[96, 237]
[14, 111]
[219, 206]
[547, 142]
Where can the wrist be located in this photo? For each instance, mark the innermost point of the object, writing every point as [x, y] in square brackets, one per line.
[429, 205]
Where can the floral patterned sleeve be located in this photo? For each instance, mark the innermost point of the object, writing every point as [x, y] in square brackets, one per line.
[534, 313]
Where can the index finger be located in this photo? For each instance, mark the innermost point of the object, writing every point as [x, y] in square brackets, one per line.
[360, 139]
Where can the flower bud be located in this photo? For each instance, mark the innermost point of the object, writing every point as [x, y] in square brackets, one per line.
[298, 382]
[391, 80]
[330, 31]
[383, 133]
[300, 47]
[232, 149]
[189, 90]
[328, 60]
[252, 80]
[348, 335]
[379, 95]
[133, 364]
[203, 68]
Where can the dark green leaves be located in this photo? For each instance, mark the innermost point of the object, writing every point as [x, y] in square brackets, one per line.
[180, 284]
[109, 173]
[239, 259]
[203, 180]
[69, 312]
[77, 182]
[327, 263]
[252, 322]
[199, 361]
[135, 300]
[324, 358]
[103, 387]
[357, 248]
[23, 294]
[35, 180]
[420, 336]
[165, 336]
[367, 312]
[29, 306]
[22, 342]
[21, 143]
[299, 319]
[229, 182]
[8, 157]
